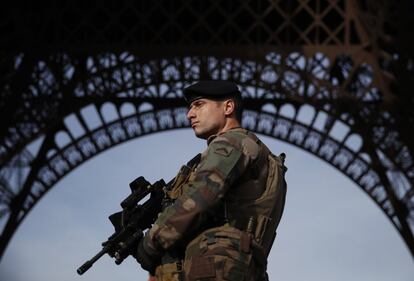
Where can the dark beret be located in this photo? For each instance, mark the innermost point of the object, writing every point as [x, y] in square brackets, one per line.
[211, 89]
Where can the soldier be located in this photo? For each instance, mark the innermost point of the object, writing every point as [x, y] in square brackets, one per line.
[224, 211]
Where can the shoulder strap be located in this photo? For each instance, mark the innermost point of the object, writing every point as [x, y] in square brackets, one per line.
[194, 161]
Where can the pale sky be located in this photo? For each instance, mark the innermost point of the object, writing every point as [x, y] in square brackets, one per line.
[330, 230]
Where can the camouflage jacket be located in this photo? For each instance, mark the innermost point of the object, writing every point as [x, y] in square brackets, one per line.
[235, 162]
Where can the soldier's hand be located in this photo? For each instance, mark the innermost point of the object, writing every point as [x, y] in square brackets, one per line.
[148, 257]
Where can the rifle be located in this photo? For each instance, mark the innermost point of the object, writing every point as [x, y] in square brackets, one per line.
[131, 221]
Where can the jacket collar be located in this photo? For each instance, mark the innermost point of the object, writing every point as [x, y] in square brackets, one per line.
[212, 137]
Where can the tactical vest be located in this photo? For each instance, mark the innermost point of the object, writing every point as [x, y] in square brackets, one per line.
[175, 188]
[256, 201]
[253, 204]
[238, 248]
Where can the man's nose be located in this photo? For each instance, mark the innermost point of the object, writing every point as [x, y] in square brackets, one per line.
[190, 114]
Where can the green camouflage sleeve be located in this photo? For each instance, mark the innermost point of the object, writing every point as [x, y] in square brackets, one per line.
[225, 159]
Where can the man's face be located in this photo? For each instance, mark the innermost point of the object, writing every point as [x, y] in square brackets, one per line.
[207, 117]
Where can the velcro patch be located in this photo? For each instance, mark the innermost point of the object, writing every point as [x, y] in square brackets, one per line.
[224, 151]
[202, 267]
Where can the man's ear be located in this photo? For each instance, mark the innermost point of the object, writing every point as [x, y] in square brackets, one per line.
[229, 107]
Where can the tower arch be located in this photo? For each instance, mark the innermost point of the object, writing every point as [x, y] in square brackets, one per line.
[337, 58]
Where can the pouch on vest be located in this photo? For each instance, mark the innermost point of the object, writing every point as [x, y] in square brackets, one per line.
[274, 198]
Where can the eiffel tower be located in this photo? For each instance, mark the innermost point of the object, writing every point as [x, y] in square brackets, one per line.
[330, 77]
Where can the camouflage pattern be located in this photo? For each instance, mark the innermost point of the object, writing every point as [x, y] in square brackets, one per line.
[219, 254]
[169, 272]
[239, 177]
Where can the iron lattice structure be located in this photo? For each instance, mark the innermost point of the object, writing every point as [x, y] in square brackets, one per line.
[331, 77]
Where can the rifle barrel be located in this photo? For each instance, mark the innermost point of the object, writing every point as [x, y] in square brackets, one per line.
[81, 270]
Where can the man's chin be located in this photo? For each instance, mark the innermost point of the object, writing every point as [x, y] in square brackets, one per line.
[201, 135]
